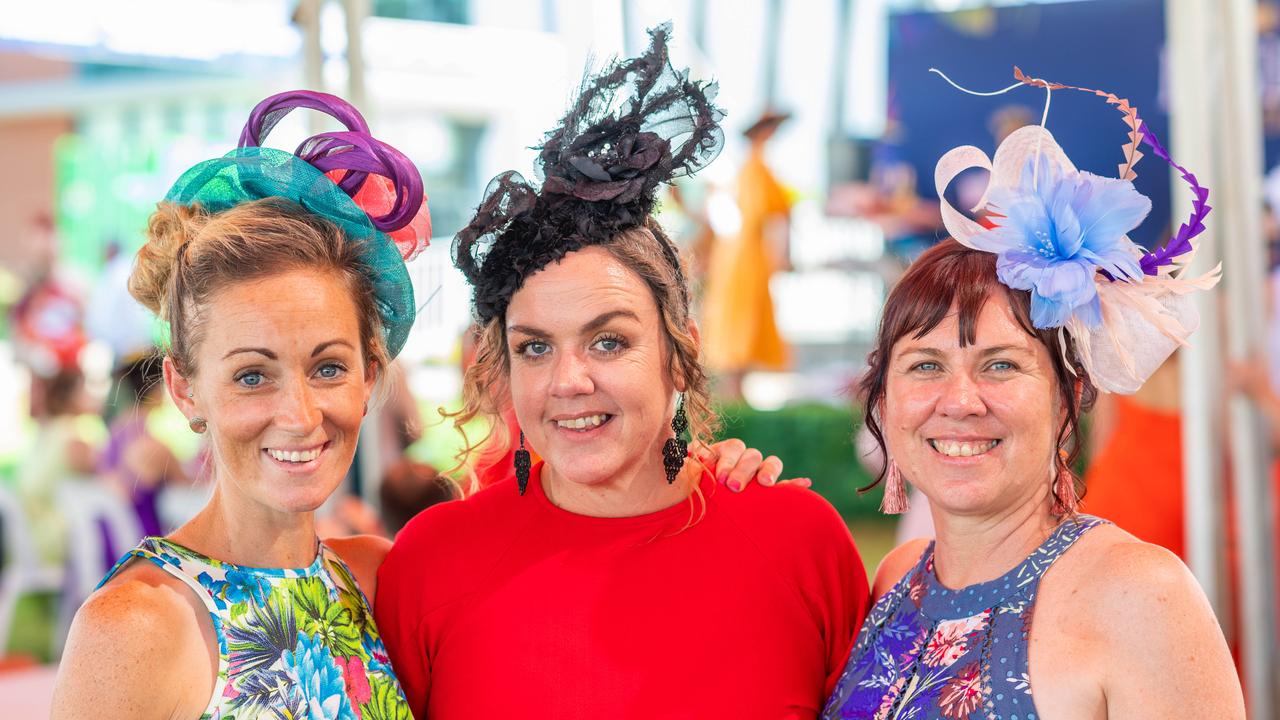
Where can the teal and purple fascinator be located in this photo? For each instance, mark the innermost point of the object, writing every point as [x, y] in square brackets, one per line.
[367, 188]
[1061, 234]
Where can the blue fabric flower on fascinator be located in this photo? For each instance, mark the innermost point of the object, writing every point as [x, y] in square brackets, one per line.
[1055, 230]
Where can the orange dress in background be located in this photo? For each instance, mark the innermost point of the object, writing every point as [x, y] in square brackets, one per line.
[738, 328]
[1135, 479]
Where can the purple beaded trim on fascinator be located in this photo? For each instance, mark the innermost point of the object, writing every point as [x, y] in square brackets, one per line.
[1061, 234]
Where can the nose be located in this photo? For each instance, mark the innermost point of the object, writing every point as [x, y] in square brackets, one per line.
[298, 412]
[571, 376]
[961, 397]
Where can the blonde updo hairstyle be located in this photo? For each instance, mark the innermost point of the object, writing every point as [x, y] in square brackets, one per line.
[486, 387]
[192, 254]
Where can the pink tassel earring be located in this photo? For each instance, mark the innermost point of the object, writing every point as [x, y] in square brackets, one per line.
[1065, 500]
[895, 491]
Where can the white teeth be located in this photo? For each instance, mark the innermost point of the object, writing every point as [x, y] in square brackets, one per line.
[583, 423]
[295, 456]
[963, 449]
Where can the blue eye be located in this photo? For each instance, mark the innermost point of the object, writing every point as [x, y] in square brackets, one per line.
[331, 371]
[1003, 365]
[610, 345]
[927, 367]
[251, 379]
[534, 348]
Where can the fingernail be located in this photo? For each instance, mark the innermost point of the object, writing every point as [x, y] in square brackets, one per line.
[766, 479]
[722, 478]
[735, 486]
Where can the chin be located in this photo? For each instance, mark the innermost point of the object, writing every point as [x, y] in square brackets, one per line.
[584, 470]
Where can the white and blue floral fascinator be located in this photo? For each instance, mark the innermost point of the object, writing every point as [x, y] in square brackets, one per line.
[1062, 234]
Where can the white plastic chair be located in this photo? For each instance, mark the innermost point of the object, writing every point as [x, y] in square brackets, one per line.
[21, 572]
[84, 504]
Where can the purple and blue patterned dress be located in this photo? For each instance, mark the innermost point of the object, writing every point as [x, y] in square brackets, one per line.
[927, 652]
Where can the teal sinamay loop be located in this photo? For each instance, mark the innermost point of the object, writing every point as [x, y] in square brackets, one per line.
[255, 173]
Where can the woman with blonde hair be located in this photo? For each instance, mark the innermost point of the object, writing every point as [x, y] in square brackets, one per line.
[286, 294]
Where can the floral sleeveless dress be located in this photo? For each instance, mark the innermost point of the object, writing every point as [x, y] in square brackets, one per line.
[927, 652]
[292, 643]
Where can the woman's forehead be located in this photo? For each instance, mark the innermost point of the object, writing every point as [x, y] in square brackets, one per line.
[996, 325]
[585, 282]
[280, 309]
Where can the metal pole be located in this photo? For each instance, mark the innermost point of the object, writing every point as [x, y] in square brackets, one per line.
[1187, 55]
[772, 29]
[1240, 203]
[307, 17]
[356, 12]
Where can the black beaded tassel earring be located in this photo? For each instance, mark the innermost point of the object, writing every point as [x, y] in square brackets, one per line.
[675, 449]
[523, 464]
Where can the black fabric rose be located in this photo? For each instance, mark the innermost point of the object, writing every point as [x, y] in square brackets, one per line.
[633, 127]
[604, 166]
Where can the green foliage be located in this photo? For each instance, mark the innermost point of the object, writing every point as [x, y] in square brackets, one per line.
[814, 440]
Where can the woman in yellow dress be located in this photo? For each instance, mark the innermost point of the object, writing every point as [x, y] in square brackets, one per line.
[740, 333]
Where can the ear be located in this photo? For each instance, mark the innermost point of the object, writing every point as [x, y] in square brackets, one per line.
[372, 370]
[180, 389]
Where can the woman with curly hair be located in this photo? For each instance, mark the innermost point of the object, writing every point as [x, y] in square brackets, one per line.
[615, 578]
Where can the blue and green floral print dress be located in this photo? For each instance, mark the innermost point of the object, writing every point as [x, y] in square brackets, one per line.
[927, 652]
[292, 644]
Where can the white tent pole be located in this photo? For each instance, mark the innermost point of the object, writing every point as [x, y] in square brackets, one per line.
[1190, 107]
[1240, 150]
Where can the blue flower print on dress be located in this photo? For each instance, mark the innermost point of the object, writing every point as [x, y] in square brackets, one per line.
[318, 679]
[293, 643]
[1058, 228]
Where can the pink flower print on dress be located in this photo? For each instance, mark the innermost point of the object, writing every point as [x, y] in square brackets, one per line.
[890, 697]
[357, 681]
[915, 590]
[962, 694]
[951, 640]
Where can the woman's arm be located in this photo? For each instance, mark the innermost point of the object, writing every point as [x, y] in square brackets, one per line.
[1166, 655]
[137, 650]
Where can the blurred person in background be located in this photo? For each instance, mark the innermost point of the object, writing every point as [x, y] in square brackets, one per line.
[63, 449]
[741, 332]
[410, 487]
[989, 349]
[616, 578]
[1134, 474]
[133, 461]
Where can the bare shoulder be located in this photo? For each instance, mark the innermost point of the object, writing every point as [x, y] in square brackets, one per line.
[134, 648]
[1160, 649]
[1126, 575]
[896, 564]
[363, 554]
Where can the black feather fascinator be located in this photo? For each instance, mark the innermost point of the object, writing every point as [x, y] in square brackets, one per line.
[638, 124]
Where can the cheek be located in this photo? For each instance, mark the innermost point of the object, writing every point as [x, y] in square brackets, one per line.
[528, 388]
[905, 408]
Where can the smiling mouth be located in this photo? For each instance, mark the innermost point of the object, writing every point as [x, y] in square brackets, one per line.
[296, 456]
[583, 424]
[955, 448]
